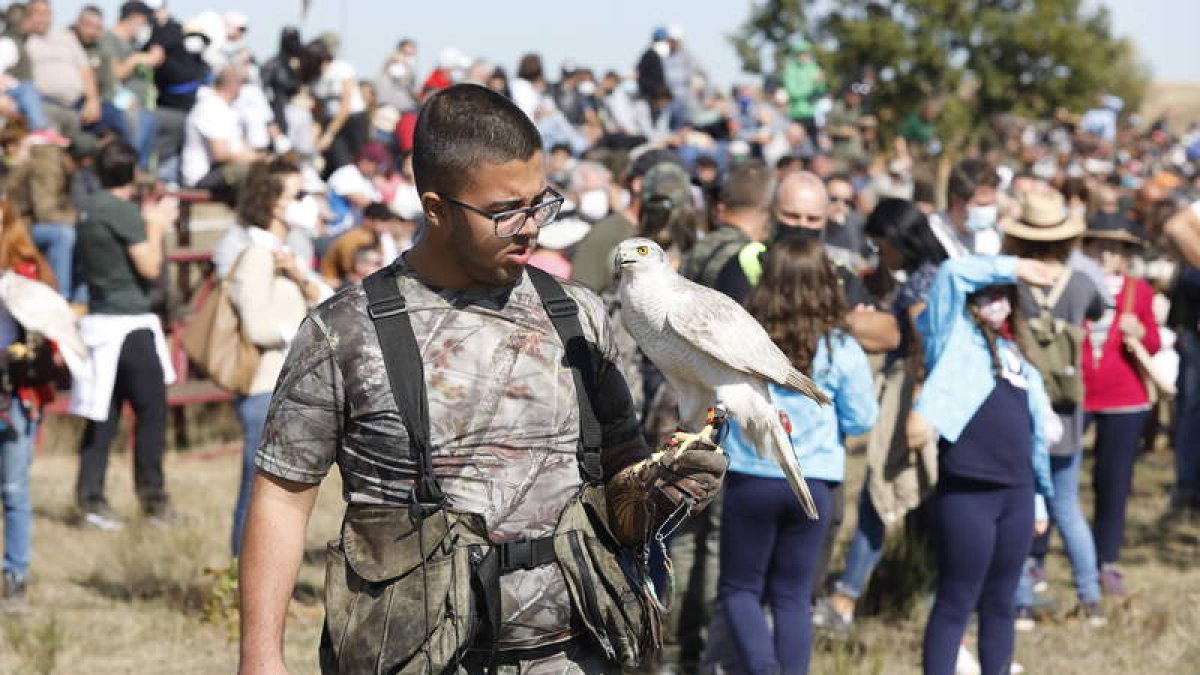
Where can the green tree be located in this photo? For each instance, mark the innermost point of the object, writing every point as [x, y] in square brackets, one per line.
[977, 58]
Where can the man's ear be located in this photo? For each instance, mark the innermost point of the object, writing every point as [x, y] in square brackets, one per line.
[435, 209]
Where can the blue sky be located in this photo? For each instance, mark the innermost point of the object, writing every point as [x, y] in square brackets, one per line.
[603, 34]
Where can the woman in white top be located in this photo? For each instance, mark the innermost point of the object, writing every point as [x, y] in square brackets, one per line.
[271, 293]
[341, 108]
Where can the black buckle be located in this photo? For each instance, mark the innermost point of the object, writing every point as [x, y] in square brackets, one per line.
[516, 555]
[386, 308]
[558, 308]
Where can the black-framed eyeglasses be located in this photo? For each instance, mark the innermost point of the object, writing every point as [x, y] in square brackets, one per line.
[508, 223]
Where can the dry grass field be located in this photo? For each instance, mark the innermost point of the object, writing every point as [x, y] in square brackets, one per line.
[141, 601]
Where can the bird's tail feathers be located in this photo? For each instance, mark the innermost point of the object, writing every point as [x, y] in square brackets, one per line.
[800, 382]
[778, 445]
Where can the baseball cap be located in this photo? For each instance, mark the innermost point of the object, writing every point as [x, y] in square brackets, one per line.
[667, 181]
[647, 160]
[660, 33]
[675, 31]
[133, 7]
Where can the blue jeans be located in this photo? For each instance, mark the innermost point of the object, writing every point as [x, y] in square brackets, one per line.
[16, 453]
[57, 241]
[866, 549]
[1067, 516]
[252, 413]
[1187, 419]
[29, 102]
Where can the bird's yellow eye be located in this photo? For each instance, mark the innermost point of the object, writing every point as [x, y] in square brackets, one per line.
[643, 250]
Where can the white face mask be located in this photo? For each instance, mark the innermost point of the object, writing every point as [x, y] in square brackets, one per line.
[143, 35]
[593, 205]
[194, 44]
[302, 214]
[662, 49]
[994, 312]
[630, 87]
[980, 218]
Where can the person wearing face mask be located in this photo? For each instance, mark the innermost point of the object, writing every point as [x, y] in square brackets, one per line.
[177, 79]
[969, 222]
[591, 263]
[271, 293]
[132, 71]
[800, 208]
[397, 79]
[651, 70]
[1047, 231]
[986, 406]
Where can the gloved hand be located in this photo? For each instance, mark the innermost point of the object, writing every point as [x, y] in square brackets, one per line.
[688, 465]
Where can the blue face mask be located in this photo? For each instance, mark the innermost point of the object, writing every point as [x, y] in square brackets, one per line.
[980, 218]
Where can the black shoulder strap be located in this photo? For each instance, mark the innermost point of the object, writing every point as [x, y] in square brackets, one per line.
[406, 374]
[564, 314]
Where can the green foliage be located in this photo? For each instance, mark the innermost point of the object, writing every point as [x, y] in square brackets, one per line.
[768, 28]
[977, 58]
[221, 606]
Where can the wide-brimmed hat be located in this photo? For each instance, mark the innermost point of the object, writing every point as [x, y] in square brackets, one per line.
[1044, 217]
[1115, 227]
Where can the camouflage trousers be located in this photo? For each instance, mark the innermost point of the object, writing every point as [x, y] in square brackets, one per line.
[579, 657]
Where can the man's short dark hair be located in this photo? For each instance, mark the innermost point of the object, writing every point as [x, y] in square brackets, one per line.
[748, 186]
[968, 175]
[116, 165]
[92, 9]
[463, 125]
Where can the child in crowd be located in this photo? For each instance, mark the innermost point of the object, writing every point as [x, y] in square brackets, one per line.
[769, 547]
[987, 406]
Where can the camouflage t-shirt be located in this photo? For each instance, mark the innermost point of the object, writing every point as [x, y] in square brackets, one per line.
[503, 415]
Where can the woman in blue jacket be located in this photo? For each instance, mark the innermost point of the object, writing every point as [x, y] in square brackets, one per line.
[989, 409]
[769, 548]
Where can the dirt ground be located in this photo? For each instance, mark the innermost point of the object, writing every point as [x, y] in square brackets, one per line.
[140, 600]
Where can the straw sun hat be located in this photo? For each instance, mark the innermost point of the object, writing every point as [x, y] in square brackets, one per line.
[1044, 217]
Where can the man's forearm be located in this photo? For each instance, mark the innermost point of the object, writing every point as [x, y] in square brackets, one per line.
[876, 331]
[1183, 229]
[272, 549]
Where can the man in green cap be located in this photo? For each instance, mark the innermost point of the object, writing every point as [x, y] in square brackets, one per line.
[804, 83]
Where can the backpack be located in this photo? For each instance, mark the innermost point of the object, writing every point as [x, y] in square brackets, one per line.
[1056, 347]
[214, 342]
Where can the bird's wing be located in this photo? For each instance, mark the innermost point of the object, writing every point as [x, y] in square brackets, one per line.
[713, 323]
[39, 308]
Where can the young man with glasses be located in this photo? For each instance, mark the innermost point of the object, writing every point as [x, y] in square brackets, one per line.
[498, 436]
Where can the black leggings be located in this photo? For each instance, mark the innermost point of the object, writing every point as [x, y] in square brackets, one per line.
[140, 382]
[985, 531]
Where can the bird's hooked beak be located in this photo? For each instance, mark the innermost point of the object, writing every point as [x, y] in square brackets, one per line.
[621, 260]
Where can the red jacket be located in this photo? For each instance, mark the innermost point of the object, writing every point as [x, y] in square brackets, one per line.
[1114, 381]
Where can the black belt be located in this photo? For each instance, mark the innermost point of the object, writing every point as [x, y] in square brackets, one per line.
[525, 554]
[515, 656]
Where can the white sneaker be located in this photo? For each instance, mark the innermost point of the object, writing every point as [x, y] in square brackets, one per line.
[966, 664]
[1016, 668]
[102, 520]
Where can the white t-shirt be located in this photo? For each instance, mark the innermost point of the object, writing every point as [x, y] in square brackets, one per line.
[329, 88]
[210, 119]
